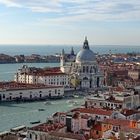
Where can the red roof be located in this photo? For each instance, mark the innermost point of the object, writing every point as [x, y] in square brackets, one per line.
[48, 127]
[59, 113]
[45, 72]
[23, 86]
[97, 111]
[118, 122]
[68, 135]
[128, 112]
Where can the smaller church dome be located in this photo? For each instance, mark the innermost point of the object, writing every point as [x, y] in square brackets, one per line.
[85, 54]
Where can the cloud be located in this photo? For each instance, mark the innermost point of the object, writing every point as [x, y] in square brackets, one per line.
[75, 10]
[10, 3]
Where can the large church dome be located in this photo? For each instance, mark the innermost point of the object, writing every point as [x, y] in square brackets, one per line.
[85, 54]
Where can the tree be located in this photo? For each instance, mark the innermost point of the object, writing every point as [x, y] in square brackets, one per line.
[75, 82]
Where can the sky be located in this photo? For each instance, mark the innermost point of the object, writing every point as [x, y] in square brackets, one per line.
[104, 22]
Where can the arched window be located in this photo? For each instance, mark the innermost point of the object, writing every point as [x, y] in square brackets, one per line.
[91, 71]
[87, 69]
[83, 69]
[85, 78]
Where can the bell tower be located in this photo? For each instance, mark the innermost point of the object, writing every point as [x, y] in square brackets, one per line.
[62, 60]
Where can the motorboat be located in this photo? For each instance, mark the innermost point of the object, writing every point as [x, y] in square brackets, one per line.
[47, 103]
[41, 109]
[75, 103]
[71, 101]
[35, 122]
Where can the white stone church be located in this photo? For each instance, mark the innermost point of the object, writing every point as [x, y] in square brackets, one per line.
[84, 69]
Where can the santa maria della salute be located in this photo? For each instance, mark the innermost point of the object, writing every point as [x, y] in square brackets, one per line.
[82, 72]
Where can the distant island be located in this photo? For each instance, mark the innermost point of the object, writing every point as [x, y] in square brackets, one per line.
[33, 58]
[54, 58]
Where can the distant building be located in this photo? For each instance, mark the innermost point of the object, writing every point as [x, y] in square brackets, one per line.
[134, 74]
[11, 91]
[118, 100]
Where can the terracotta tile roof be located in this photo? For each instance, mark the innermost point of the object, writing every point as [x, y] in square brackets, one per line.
[68, 135]
[128, 112]
[44, 72]
[47, 127]
[131, 130]
[85, 116]
[97, 111]
[59, 113]
[98, 127]
[22, 86]
[118, 122]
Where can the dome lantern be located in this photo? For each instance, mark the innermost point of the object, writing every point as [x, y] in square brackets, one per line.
[85, 54]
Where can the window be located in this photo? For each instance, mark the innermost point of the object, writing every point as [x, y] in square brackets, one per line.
[83, 69]
[20, 97]
[3, 96]
[35, 137]
[30, 136]
[10, 98]
[55, 91]
[30, 96]
[97, 132]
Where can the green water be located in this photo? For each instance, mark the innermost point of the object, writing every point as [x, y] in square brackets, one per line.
[7, 71]
[12, 114]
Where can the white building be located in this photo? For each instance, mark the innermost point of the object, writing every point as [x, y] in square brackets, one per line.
[18, 91]
[48, 76]
[120, 100]
[83, 73]
[85, 68]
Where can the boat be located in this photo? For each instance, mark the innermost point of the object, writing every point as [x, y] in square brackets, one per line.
[35, 122]
[41, 109]
[70, 101]
[76, 96]
[75, 103]
[47, 103]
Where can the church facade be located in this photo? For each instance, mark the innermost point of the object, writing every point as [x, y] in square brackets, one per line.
[84, 72]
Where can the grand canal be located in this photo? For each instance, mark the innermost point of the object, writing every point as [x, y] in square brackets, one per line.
[13, 114]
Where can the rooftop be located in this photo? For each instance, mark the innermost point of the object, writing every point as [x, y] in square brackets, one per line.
[98, 111]
[22, 86]
[118, 122]
[128, 112]
[45, 127]
[41, 71]
[68, 135]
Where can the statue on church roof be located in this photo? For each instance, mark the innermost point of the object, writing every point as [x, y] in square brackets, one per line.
[85, 45]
